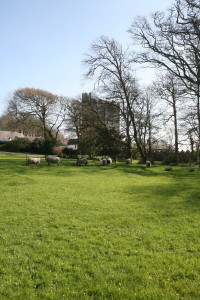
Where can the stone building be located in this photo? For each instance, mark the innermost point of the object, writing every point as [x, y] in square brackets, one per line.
[97, 112]
[9, 135]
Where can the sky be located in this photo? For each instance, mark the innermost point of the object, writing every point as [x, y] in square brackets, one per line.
[43, 42]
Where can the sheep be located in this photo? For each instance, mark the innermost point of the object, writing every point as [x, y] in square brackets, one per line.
[106, 161]
[33, 160]
[51, 159]
[109, 161]
[128, 161]
[148, 164]
[81, 161]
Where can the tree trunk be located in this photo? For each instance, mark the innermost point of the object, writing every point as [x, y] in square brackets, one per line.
[175, 132]
[198, 120]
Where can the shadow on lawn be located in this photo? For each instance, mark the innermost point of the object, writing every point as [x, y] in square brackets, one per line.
[68, 167]
[180, 188]
[174, 195]
[136, 169]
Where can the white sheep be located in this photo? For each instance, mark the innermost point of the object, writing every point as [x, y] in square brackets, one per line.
[109, 161]
[128, 161]
[51, 159]
[81, 161]
[148, 164]
[106, 161]
[33, 160]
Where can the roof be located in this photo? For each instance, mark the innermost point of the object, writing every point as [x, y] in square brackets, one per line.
[9, 135]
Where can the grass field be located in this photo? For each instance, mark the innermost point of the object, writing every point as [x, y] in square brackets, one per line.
[98, 232]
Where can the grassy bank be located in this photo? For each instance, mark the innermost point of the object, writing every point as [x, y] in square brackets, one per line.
[98, 232]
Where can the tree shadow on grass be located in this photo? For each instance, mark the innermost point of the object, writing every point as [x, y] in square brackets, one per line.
[68, 167]
[139, 170]
[169, 196]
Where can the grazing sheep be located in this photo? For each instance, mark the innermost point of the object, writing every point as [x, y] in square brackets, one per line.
[81, 161]
[51, 159]
[106, 161]
[33, 160]
[128, 161]
[148, 164]
[109, 161]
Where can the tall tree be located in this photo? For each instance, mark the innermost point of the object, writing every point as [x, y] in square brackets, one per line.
[190, 125]
[109, 65]
[73, 118]
[28, 105]
[149, 119]
[172, 41]
[8, 122]
[169, 88]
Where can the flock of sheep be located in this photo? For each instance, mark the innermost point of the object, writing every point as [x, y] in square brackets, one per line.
[51, 159]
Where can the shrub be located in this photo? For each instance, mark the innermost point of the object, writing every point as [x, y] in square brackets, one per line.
[48, 145]
[35, 147]
[185, 157]
[71, 153]
[16, 145]
[58, 151]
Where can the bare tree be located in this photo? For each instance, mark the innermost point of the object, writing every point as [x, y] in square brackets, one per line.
[73, 118]
[170, 89]
[110, 66]
[7, 122]
[150, 119]
[190, 125]
[28, 105]
[172, 41]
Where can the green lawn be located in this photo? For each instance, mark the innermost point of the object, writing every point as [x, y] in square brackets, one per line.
[98, 232]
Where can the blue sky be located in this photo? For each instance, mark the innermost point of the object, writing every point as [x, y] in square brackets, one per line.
[43, 41]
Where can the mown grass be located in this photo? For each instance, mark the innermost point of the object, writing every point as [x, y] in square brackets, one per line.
[95, 232]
